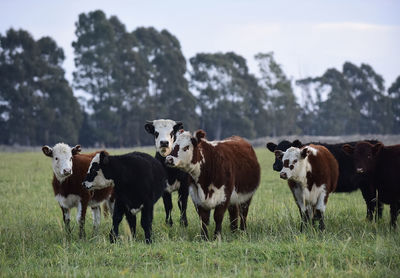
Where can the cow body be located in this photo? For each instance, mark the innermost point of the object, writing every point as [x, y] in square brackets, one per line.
[380, 165]
[348, 180]
[164, 132]
[68, 189]
[312, 174]
[139, 181]
[225, 175]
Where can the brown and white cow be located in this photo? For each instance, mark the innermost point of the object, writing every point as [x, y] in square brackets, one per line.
[312, 174]
[225, 175]
[69, 171]
[380, 165]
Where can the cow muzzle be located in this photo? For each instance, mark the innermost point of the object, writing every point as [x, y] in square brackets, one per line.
[87, 185]
[66, 172]
[283, 175]
[169, 161]
[164, 144]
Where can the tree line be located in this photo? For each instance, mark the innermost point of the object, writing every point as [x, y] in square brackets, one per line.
[134, 76]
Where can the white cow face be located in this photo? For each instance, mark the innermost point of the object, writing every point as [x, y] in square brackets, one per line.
[184, 149]
[293, 162]
[164, 132]
[95, 178]
[61, 155]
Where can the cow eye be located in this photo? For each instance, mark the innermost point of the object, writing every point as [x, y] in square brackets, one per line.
[56, 158]
[185, 148]
[70, 159]
[156, 134]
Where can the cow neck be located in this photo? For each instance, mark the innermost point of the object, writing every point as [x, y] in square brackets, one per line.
[64, 187]
[160, 158]
[208, 159]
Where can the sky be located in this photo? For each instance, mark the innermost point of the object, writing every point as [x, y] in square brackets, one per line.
[307, 37]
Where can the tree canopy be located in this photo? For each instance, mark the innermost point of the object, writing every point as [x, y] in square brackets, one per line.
[37, 104]
[136, 75]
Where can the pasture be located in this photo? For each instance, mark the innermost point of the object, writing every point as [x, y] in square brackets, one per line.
[33, 242]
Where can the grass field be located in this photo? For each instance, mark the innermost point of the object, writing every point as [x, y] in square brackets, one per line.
[33, 243]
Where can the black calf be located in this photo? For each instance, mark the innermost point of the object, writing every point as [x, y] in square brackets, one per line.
[139, 181]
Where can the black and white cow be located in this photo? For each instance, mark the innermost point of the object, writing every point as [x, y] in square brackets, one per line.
[164, 132]
[139, 181]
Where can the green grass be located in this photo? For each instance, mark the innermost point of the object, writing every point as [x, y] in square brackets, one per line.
[33, 243]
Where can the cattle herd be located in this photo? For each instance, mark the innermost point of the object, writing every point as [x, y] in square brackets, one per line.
[220, 175]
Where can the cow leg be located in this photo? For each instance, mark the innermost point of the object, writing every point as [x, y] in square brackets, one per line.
[298, 196]
[96, 213]
[320, 210]
[369, 195]
[167, 200]
[183, 194]
[319, 216]
[117, 218]
[80, 218]
[146, 221]
[219, 212]
[131, 219]
[379, 209]
[110, 205]
[394, 211]
[205, 220]
[244, 209]
[233, 216]
[66, 219]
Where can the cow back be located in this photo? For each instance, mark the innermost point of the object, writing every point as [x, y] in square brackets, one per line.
[324, 167]
[233, 158]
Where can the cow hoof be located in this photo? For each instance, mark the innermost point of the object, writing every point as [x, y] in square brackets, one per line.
[184, 222]
[169, 222]
[148, 241]
[82, 235]
[113, 237]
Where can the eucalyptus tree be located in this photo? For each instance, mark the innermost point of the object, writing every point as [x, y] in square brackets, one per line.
[394, 95]
[368, 90]
[37, 105]
[228, 95]
[110, 69]
[168, 94]
[278, 98]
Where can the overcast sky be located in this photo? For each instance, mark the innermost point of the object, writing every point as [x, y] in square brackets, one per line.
[307, 36]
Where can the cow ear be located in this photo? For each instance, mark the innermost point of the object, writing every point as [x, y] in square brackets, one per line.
[104, 159]
[297, 143]
[348, 149]
[149, 127]
[194, 141]
[47, 151]
[200, 134]
[75, 150]
[304, 153]
[377, 148]
[178, 126]
[279, 154]
[271, 146]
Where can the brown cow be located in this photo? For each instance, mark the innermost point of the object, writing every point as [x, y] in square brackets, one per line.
[225, 175]
[312, 174]
[69, 171]
[380, 164]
